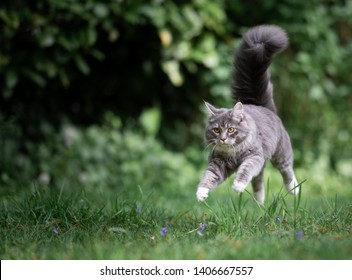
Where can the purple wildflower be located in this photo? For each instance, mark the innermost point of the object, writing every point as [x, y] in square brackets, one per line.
[163, 231]
[201, 229]
[299, 235]
[138, 209]
[56, 230]
[202, 226]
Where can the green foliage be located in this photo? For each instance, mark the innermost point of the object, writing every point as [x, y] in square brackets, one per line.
[63, 36]
[75, 56]
[59, 35]
[105, 156]
[316, 80]
[150, 121]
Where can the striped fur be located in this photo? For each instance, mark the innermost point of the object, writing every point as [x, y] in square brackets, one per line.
[244, 137]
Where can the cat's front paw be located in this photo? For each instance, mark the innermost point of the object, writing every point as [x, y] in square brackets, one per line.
[238, 186]
[202, 194]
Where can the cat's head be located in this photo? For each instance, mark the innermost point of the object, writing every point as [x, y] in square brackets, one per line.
[226, 127]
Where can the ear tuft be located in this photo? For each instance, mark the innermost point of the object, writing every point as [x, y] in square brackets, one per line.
[210, 109]
[238, 109]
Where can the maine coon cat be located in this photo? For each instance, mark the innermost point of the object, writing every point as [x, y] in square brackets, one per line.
[244, 137]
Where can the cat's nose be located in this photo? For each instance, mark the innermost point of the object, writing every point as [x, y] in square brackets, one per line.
[222, 140]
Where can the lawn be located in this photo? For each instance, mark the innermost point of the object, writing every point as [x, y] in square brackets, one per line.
[144, 223]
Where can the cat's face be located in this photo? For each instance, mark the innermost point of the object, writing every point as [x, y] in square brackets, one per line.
[226, 127]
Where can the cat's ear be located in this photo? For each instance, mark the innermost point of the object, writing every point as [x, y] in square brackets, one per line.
[238, 107]
[212, 111]
[238, 110]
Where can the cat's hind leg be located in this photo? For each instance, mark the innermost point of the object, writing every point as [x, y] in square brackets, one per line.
[283, 161]
[288, 175]
[290, 180]
[258, 187]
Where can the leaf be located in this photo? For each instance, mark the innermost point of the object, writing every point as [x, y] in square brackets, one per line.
[165, 37]
[65, 80]
[101, 10]
[46, 40]
[35, 77]
[172, 69]
[150, 120]
[11, 79]
[98, 54]
[211, 60]
[81, 64]
[194, 21]
[316, 92]
[91, 35]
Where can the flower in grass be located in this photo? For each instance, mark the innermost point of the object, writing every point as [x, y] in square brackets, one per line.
[278, 218]
[44, 178]
[163, 231]
[138, 209]
[299, 235]
[56, 230]
[201, 229]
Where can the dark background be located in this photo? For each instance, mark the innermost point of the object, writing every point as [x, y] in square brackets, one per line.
[82, 79]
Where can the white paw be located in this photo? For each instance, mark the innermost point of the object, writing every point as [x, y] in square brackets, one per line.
[202, 194]
[259, 196]
[238, 187]
[292, 187]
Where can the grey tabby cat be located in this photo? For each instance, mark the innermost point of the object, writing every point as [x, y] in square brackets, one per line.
[244, 137]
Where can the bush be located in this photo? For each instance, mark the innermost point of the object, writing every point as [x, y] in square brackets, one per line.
[75, 60]
[104, 156]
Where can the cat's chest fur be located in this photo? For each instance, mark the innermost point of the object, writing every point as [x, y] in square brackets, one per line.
[224, 151]
[232, 156]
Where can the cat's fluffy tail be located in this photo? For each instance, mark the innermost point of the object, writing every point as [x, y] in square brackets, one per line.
[251, 77]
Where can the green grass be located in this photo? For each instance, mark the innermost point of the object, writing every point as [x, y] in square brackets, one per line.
[101, 223]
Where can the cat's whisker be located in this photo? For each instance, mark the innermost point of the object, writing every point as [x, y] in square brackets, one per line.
[209, 145]
[212, 150]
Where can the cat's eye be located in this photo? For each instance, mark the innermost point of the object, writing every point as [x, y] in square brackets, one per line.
[231, 130]
[217, 130]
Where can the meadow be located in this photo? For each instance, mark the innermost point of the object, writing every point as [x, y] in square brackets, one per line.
[101, 145]
[137, 223]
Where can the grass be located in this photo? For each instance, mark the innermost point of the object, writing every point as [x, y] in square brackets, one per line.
[105, 224]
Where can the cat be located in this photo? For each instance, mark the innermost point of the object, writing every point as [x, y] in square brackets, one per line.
[244, 137]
